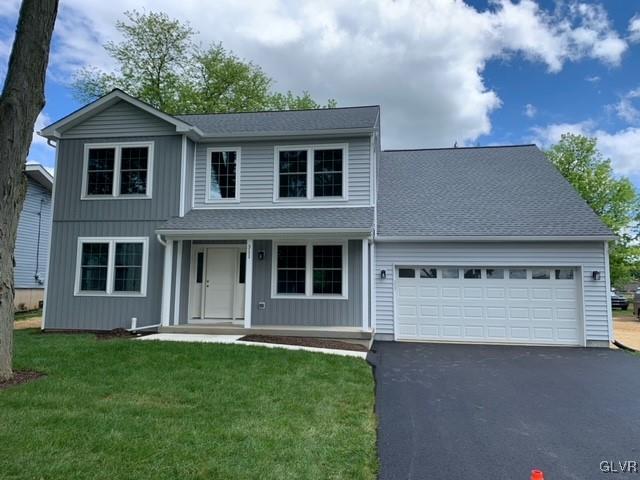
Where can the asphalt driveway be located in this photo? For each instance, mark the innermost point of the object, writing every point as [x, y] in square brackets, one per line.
[488, 412]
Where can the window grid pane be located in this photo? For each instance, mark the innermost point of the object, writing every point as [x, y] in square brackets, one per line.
[94, 267]
[472, 273]
[128, 267]
[495, 273]
[223, 175]
[133, 170]
[327, 269]
[327, 173]
[540, 274]
[100, 168]
[428, 273]
[518, 274]
[293, 174]
[291, 269]
[564, 274]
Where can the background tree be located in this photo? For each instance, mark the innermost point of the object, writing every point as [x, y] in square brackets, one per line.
[615, 200]
[21, 101]
[159, 62]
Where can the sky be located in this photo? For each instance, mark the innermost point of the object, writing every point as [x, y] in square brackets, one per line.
[480, 72]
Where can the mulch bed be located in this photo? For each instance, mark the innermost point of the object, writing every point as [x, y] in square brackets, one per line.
[115, 333]
[20, 378]
[305, 342]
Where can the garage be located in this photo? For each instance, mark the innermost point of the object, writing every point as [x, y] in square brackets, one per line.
[515, 304]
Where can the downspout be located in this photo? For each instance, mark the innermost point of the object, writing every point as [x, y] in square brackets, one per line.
[36, 274]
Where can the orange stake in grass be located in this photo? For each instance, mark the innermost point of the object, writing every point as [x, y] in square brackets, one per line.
[537, 475]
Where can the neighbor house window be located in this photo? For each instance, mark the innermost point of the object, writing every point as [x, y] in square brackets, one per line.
[311, 172]
[540, 274]
[517, 274]
[112, 266]
[117, 170]
[495, 273]
[564, 274]
[222, 174]
[309, 269]
[472, 273]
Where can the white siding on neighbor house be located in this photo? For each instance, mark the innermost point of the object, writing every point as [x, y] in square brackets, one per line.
[587, 255]
[31, 253]
[120, 120]
[257, 173]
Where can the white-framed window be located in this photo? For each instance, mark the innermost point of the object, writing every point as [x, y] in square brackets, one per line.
[306, 172]
[112, 266]
[309, 269]
[223, 174]
[117, 170]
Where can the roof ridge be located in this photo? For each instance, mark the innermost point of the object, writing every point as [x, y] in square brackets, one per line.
[276, 111]
[459, 148]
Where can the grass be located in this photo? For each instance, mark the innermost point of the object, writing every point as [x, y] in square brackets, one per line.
[122, 409]
[18, 316]
[628, 313]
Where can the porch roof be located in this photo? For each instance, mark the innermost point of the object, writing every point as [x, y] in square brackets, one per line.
[244, 221]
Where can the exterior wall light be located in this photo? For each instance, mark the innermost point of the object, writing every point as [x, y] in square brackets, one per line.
[595, 275]
[261, 255]
[383, 274]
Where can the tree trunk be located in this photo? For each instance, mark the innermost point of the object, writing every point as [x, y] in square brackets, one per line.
[21, 101]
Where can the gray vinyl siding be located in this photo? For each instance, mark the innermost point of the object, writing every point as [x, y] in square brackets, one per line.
[165, 192]
[66, 311]
[31, 253]
[257, 173]
[120, 120]
[306, 312]
[588, 255]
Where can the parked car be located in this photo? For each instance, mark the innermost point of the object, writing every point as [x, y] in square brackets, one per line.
[618, 301]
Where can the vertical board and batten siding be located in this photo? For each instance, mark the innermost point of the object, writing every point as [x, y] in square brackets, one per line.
[306, 312]
[588, 255]
[31, 256]
[257, 173]
[120, 120]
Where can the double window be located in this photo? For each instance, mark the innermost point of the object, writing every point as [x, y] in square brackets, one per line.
[310, 269]
[307, 172]
[117, 170]
[223, 172]
[112, 266]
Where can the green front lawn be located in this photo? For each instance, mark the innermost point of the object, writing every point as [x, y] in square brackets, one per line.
[123, 409]
[18, 316]
[628, 313]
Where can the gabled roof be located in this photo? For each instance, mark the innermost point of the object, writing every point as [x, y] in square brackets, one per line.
[55, 130]
[39, 174]
[510, 192]
[289, 122]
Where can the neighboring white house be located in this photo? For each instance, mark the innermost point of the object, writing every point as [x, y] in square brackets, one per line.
[32, 241]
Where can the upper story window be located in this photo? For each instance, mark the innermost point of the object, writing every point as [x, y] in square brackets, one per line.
[223, 172]
[308, 172]
[117, 170]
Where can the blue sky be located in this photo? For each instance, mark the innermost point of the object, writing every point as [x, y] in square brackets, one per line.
[444, 71]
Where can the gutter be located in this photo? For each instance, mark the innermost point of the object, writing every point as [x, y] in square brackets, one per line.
[269, 231]
[494, 238]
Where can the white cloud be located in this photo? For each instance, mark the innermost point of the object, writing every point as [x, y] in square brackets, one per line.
[622, 146]
[593, 79]
[530, 110]
[626, 107]
[634, 28]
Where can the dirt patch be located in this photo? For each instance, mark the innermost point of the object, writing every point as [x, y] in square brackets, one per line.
[115, 333]
[30, 323]
[305, 342]
[627, 332]
[20, 378]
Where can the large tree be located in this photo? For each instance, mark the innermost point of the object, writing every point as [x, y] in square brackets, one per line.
[21, 101]
[159, 62]
[613, 198]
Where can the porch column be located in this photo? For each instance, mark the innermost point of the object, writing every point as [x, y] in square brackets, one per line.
[177, 294]
[165, 313]
[248, 284]
[365, 284]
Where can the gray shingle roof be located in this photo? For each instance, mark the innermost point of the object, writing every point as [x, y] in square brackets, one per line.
[285, 122]
[272, 218]
[489, 191]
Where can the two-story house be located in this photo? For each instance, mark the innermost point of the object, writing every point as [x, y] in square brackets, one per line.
[296, 222]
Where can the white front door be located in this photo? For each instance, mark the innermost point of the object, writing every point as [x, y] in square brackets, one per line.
[220, 283]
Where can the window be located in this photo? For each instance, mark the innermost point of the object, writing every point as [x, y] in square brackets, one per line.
[564, 274]
[518, 273]
[222, 174]
[472, 273]
[495, 273]
[310, 172]
[112, 266]
[450, 273]
[428, 273]
[117, 170]
[540, 274]
[310, 269]
[406, 273]
[327, 269]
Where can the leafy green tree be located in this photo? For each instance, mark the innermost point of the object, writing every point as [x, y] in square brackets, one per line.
[159, 62]
[614, 199]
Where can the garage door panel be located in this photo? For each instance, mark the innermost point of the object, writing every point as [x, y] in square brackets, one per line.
[452, 331]
[494, 292]
[472, 313]
[545, 313]
[474, 331]
[450, 292]
[520, 333]
[541, 293]
[496, 332]
[472, 293]
[429, 311]
[429, 293]
[519, 293]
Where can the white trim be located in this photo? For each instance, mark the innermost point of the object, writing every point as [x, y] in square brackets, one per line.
[40, 171]
[115, 190]
[112, 241]
[183, 174]
[222, 234]
[583, 308]
[310, 172]
[607, 279]
[248, 284]
[165, 312]
[46, 285]
[493, 238]
[365, 284]
[177, 294]
[308, 244]
[373, 286]
[279, 205]
[210, 150]
[372, 180]
[193, 176]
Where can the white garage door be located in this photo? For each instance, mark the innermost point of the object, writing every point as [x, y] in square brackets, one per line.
[535, 305]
